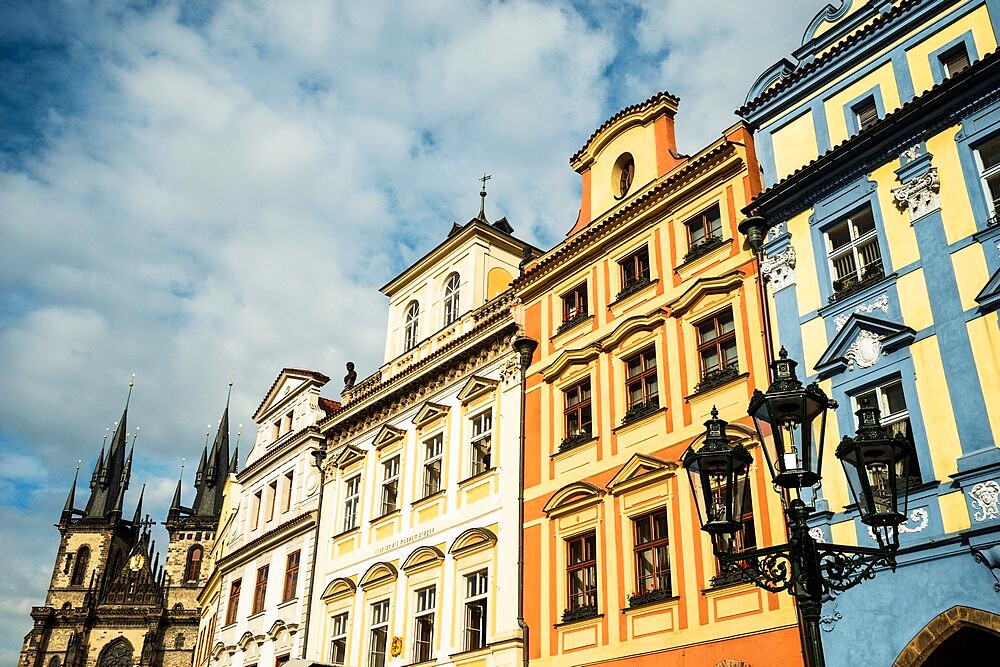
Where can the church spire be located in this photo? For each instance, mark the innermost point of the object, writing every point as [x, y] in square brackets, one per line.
[215, 468]
[137, 516]
[112, 472]
[67, 513]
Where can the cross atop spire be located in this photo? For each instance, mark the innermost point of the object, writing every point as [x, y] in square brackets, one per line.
[482, 194]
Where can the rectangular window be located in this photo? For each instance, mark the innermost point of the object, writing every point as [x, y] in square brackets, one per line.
[704, 228]
[352, 495]
[433, 449]
[481, 443]
[233, 606]
[379, 634]
[744, 539]
[255, 509]
[260, 590]
[338, 639]
[581, 573]
[866, 113]
[634, 271]
[286, 502]
[640, 381]
[276, 430]
[954, 60]
[423, 635]
[895, 417]
[272, 491]
[574, 304]
[717, 346]
[652, 553]
[854, 252]
[291, 576]
[988, 156]
[476, 589]
[390, 485]
[577, 410]
[288, 422]
[281, 660]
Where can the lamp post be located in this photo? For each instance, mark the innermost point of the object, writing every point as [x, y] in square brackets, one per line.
[791, 422]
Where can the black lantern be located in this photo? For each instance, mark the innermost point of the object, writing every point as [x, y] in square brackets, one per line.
[791, 423]
[876, 467]
[719, 474]
[754, 229]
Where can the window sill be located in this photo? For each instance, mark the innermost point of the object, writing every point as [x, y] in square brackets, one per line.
[426, 500]
[628, 293]
[478, 476]
[257, 614]
[384, 517]
[471, 653]
[573, 442]
[704, 249]
[569, 325]
[849, 301]
[638, 416]
[429, 661]
[345, 533]
[573, 621]
[288, 603]
[649, 599]
[698, 393]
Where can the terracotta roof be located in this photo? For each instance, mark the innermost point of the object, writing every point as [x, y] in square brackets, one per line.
[881, 127]
[328, 406]
[822, 60]
[663, 95]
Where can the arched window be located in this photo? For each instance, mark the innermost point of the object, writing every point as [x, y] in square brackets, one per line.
[451, 298]
[411, 326]
[80, 568]
[193, 568]
[116, 654]
[54, 662]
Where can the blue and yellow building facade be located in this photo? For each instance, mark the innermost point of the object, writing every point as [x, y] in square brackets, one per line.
[880, 149]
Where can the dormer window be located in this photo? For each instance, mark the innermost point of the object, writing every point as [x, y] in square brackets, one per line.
[622, 174]
[954, 60]
[451, 298]
[411, 326]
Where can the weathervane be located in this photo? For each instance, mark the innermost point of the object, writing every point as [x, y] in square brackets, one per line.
[482, 193]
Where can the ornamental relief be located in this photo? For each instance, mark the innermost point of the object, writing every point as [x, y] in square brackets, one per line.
[921, 195]
[865, 350]
[779, 269]
[985, 501]
[879, 303]
[919, 517]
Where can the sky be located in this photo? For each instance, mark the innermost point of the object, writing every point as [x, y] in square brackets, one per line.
[199, 191]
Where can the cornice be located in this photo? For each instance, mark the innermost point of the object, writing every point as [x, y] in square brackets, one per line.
[636, 114]
[270, 538]
[295, 440]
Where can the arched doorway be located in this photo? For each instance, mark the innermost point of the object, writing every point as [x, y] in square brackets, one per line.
[116, 654]
[959, 636]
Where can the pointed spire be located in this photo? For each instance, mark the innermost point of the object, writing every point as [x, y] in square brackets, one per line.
[175, 504]
[234, 464]
[137, 517]
[100, 462]
[67, 512]
[482, 195]
[199, 475]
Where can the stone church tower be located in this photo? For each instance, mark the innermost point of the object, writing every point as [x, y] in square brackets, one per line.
[110, 602]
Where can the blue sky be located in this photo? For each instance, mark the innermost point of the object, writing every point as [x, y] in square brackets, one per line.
[194, 189]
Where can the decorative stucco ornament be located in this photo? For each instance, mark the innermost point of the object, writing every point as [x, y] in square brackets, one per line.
[911, 153]
[921, 195]
[817, 534]
[775, 231]
[919, 517]
[779, 269]
[865, 350]
[509, 371]
[879, 303]
[985, 500]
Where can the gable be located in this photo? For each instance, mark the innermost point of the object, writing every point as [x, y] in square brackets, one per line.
[641, 470]
[989, 297]
[339, 588]
[348, 455]
[861, 342]
[428, 412]
[422, 557]
[476, 387]
[703, 287]
[289, 382]
[388, 435]
[572, 497]
[472, 540]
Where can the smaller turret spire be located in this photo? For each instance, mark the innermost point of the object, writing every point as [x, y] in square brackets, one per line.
[68, 510]
[138, 507]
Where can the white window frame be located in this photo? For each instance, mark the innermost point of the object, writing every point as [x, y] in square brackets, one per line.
[338, 637]
[852, 247]
[452, 298]
[426, 605]
[890, 420]
[433, 458]
[988, 174]
[476, 597]
[390, 485]
[411, 326]
[481, 443]
[352, 501]
[379, 631]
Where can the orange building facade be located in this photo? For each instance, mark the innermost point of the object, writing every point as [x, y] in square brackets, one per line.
[647, 315]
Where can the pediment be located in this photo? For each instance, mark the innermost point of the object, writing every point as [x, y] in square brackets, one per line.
[422, 557]
[379, 573]
[473, 539]
[388, 435]
[279, 627]
[862, 342]
[348, 455]
[573, 497]
[476, 386]
[704, 287]
[639, 471]
[428, 412]
[290, 381]
[989, 297]
[338, 588]
[567, 359]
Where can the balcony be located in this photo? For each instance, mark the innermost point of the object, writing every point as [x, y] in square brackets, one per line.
[844, 287]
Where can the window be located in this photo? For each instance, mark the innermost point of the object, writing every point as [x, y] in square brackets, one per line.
[989, 165]
[475, 610]
[338, 639]
[233, 606]
[482, 442]
[581, 576]
[622, 174]
[865, 113]
[743, 539]
[272, 491]
[954, 60]
[652, 554]
[259, 590]
[291, 576]
[574, 304]
[286, 503]
[895, 417]
[634, 271]
[352, 493]
[411, 326]
[379, 634]
[854, 252]
[390, 485]
[288, 422]
[432, 464]
[717, 349]
[451, 299]
[193, 568]
[80, 568]
[423, 635]
[276, 430]
[281, 660]
[640, 381]
[255, 509]
[704, 228]
[577, 412]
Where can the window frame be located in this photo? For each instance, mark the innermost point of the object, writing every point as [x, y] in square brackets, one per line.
[480, 457]
[260, 590]
[411, 326]
[575, 305]
[639, 274]
[339, 631]
[379, 629]
[390, 485]
[190, 563]
[423, 623]
[853, 249]
[452, 298]
[985, 174]
[646, 378]
[719, 343]
[352, 501]
[433, 464]
[703, 221]
[890, 419]
[476, 602]
[583, 603]
[233, 604]
[660, 577]
[577, 404]
[291, 575]
[286, 501]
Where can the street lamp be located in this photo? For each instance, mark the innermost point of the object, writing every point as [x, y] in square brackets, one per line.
[791, 422]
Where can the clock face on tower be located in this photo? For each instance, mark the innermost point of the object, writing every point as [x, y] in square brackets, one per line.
[135, 562]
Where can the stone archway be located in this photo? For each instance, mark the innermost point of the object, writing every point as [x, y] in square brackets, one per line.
[960, 631]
